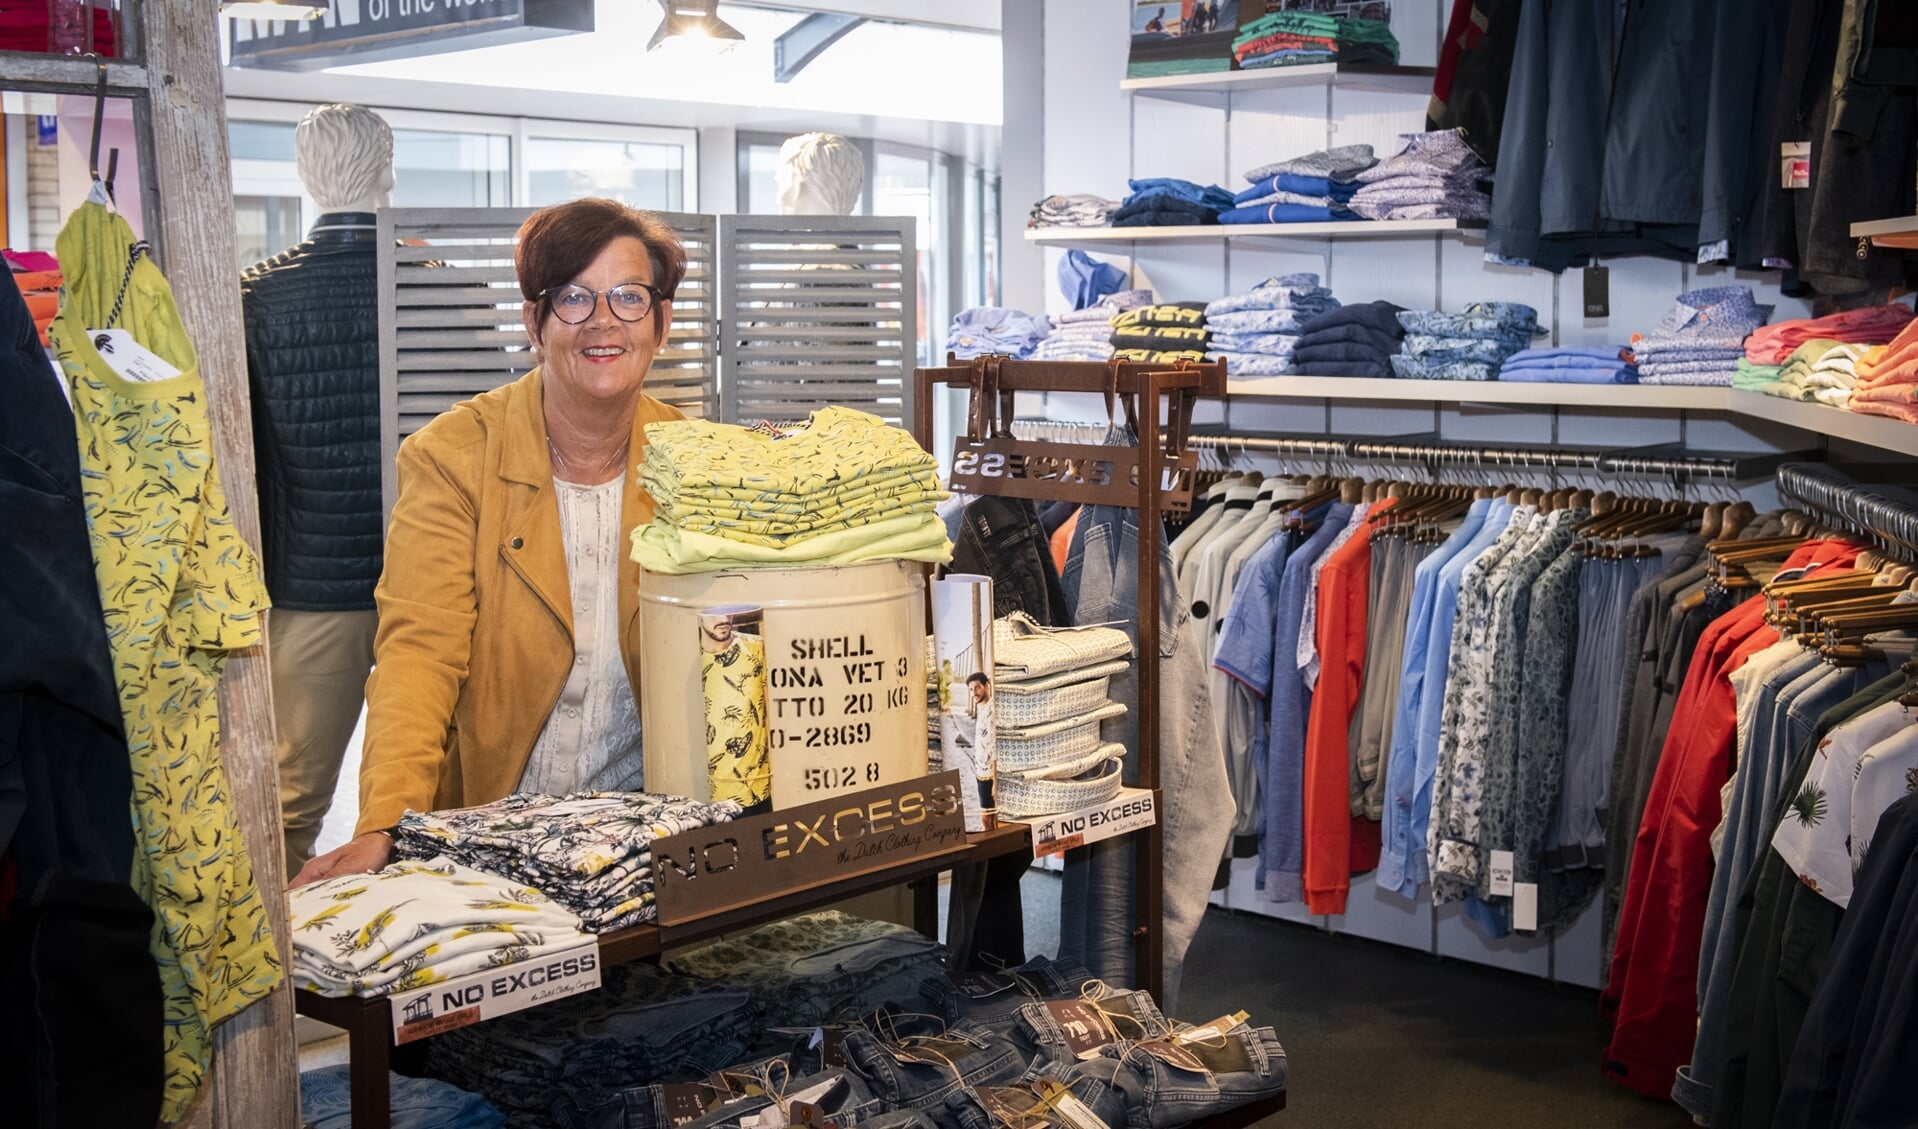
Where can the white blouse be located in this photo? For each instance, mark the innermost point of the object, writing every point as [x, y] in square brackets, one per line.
[590, 741]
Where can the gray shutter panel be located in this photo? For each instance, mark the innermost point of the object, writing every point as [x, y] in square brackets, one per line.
[450, 318]
[817, 310]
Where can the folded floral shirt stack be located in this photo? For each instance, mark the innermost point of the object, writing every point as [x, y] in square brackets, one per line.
[1701, 339]
[592, 852]
[1432, 176]
[418, 923]
[1472, 345]
[841, 488]
[1257, 331]
[1086, 335]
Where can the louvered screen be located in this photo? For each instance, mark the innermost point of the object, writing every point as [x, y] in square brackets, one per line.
[450, 318]
[817, 310]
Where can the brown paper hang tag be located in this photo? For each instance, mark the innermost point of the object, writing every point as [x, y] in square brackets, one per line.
[687, 1101]
[1065, 1106]
[810, 1116]
[1086, 1029]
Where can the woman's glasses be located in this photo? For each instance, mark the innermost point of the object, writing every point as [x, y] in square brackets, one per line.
[629, 301]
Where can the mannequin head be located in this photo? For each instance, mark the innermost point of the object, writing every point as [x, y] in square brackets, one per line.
[345, 158]
[820, 174]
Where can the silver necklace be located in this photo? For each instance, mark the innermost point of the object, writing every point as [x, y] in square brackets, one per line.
[567, 468]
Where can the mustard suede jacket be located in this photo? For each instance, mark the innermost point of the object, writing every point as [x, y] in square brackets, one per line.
[476, 613]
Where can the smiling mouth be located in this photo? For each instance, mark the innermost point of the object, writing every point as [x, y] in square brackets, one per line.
[604, 351]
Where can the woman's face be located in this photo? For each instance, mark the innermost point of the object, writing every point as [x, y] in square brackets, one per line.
[602, 358]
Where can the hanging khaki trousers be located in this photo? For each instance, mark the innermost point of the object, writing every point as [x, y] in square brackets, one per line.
[319, 663]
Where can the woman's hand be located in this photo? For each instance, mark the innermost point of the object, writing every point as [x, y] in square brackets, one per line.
[363, 855]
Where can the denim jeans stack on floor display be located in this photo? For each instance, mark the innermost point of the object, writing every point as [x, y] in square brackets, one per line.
[822, 968]
[642, 1026]
[1701, 339]
[589, 851]
[1432, 176]
[1258, 331]
[326, 1102]
[1165, 201]
[1472, 345]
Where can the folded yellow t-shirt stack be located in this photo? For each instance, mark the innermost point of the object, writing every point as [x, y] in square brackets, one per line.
[841, 488]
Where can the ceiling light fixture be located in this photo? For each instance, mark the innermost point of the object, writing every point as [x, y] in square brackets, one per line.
[693, 20]
[272, 9]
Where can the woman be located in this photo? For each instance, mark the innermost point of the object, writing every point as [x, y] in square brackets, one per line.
[507, 657]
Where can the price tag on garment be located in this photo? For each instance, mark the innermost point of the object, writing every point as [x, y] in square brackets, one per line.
[1213, 1031]
[1072, 1112]
[1525, 907]
[1229, 1058]
[800, 1109]
[1794, 164]
[931, 1052]
[132, 360]
[687, 1101]
[1502, 867]
[1598, 291]
[1085, 1029]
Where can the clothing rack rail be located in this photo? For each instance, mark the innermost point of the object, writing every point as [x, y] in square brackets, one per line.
[1887, 515]
[1658, 461]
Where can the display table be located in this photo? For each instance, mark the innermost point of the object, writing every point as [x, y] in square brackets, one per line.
[369, 1022]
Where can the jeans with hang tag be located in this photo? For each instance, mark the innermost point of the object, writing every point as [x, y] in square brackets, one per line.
[987, 1059]
[845, 1100]
[1101, 581]
[993, 999]
[1126, 1016]
[649, 1107]
[1106, 1086]
[1250, 1067]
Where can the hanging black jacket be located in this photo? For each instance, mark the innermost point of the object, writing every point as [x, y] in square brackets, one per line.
[312, 357]
[81, 1024]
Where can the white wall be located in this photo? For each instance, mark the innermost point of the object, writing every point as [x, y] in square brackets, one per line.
[1091, 137]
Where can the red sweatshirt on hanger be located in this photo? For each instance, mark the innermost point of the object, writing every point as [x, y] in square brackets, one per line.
[1336, 845]
[1652, 991]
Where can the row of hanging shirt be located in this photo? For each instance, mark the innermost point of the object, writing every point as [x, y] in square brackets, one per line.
[1793, 754]
[1369, 647]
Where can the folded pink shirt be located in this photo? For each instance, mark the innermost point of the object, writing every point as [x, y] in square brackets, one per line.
[1874, 325]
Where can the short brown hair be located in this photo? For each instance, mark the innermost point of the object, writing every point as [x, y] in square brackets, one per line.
[557, 243]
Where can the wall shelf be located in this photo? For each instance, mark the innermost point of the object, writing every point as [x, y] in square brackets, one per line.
[1881, 432]
[1232, 233]
[1901, 232]
[1353, 76]
[1623, 396]
[1837, 423]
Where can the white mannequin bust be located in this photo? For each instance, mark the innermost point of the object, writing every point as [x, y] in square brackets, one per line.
[820, 174]
[345, 158]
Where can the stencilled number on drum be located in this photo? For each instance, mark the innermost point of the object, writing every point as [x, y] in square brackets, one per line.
[845, 776]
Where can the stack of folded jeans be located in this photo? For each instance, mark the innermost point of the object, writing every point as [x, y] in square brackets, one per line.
[1701, 339]
[642, 1026]
[1258, 331]
[739, 1096]
[1602, 365]
[1356, 341]
[1086, 335]
[589, 851]
[1161, 334]
[838, 489]
[1472, 345]
[1051, 697]
[1433, 176]
[1293, 198]
[821, 968]
[1079, 210]
[1170, 202]
[996, 329]
[1888, 379]
[993, 999]
[1874, 325]
[418, 923]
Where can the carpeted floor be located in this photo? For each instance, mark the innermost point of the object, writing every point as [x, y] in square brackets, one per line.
[1383, 1038]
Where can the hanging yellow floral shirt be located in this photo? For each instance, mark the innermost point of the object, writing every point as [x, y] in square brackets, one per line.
[179, 589]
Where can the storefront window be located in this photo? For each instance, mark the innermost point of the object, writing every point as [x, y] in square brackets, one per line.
[267, 226]
[443, 169]
[643, 174]
[903, 185]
